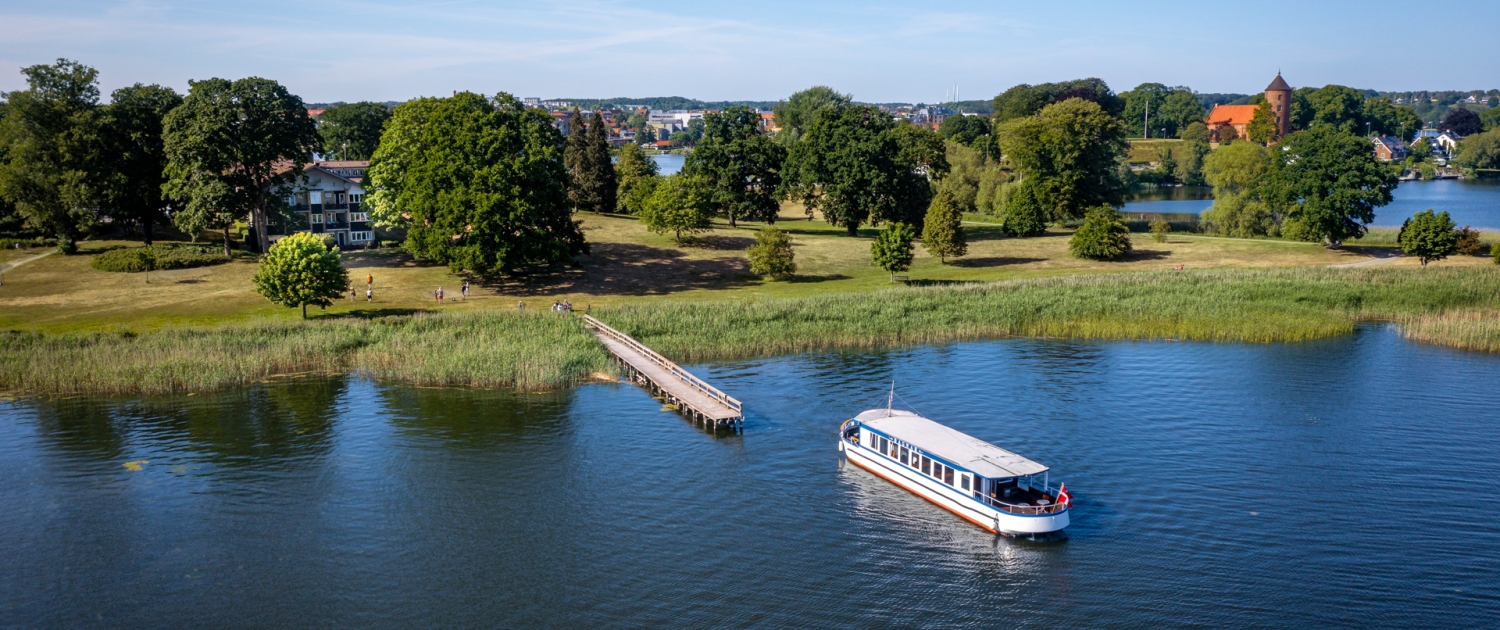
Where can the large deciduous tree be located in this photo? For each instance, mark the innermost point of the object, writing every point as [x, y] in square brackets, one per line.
[402, 143]
[482, 186]
[1480, 151]
[52, 149]
[238, 144]
[1327, 184]
[136, 156]
[351, 131]
[964, 129]
[1462, 122]
[1171, 108]
[795, 114]
[848, 166]
[1027, 100]
[1071, 151]
[680, 204]
[740, 166]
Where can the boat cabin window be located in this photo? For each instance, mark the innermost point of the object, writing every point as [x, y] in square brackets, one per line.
[963, 481]
[884, 444]
[948, 475]
[904, 454]
[926, 465]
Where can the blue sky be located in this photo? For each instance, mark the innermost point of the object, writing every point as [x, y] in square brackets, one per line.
[909, 51]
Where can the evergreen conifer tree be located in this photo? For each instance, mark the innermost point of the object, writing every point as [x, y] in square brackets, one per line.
[575, 157]
[636, 176]
[600, 168]
[1103, 236]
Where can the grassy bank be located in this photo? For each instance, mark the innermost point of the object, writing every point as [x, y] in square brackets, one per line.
[1455, 306]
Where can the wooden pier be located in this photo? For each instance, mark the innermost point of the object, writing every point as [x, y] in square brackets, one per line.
[699, 400]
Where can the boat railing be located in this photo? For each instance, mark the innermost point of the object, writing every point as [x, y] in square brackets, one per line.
[1024, 510]
[667, 364]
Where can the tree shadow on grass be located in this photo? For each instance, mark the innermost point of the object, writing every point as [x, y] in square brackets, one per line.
[721, 242]
[806, 279]
[984, 233]
[993, 261]
[372, 312]
[630, 269]
[1138, 255]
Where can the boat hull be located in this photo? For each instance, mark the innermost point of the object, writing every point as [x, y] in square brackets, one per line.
[952, 499]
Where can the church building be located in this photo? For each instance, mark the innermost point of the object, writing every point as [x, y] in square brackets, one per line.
[1229, 121]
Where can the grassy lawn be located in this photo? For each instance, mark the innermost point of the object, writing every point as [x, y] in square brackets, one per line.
[627, 265]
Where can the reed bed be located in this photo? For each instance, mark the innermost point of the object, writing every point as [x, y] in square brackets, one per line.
[533, 350]
[1466, 330]
[527, 351]
[1454, 306]
[1239, 305]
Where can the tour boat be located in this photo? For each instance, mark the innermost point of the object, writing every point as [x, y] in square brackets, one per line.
[989, 486]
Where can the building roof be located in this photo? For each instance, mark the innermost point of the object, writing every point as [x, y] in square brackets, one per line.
[1279, 85]
[314, 113]
[1232, 114]
[971, 453]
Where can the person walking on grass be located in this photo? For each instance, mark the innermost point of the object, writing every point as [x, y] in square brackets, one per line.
[370, 281]
[466, 290]
[353, 295]
[440, 295]
[369, 295]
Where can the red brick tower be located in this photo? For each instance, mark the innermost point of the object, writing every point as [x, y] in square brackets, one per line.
[1279, 95]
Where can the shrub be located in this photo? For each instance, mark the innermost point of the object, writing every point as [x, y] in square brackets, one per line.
[1103, 236]
[1428, 236]
[1160, 229]
[1468, 242]
[27, 243]
[67, 246]
[771, 256]
[157, 258]
[1025, 214]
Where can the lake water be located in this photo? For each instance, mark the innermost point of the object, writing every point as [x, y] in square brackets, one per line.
[1474, 202]
[1350, 482]
[668, 163]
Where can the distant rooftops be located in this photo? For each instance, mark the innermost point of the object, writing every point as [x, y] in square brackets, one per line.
[1279, 85]
[1231, 115]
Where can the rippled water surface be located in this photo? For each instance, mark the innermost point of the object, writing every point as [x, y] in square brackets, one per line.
[1350, 482]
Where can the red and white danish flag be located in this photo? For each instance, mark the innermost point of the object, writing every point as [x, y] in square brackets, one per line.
[1063, 497]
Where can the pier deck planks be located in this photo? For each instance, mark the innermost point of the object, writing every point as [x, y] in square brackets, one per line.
[701, 399]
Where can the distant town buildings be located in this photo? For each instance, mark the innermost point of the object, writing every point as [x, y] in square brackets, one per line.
[1389, 149]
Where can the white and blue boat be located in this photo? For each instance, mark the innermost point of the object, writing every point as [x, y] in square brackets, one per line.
[998, 490]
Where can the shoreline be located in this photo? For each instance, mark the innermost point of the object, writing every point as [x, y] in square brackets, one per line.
[1453, 307]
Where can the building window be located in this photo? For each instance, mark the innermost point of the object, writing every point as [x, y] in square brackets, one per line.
[359, 216]
[317, 218]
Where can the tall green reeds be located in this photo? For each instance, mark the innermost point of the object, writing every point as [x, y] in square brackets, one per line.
[1454, 306]
[1466, 330]
[1238, 305]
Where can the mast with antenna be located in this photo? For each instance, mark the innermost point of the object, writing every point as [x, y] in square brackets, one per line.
[890, 401]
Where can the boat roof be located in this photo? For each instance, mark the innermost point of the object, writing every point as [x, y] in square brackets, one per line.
[974, 454]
